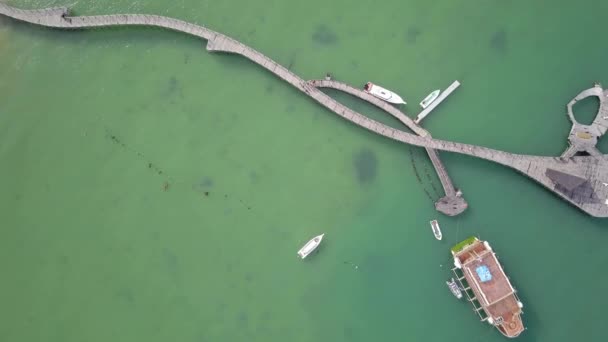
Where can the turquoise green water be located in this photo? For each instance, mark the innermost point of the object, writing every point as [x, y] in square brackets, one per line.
[152, 191]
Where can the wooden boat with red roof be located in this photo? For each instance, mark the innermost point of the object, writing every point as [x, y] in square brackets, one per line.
[487, 286]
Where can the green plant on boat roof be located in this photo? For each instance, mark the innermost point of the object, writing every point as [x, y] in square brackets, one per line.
[461, 245]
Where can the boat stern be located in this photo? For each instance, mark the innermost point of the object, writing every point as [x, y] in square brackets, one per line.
[513, 327]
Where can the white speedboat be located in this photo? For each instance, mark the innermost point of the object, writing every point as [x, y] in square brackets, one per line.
[383, 94]
[429, 99]
[436, 229]
[454, 288]
[310, 246]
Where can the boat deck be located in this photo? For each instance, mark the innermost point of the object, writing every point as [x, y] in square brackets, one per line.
[493, 290]
[496, 296]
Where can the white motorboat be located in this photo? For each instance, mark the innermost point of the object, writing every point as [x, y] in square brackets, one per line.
[454, 288]
[436, 229]
[310, 246]
[383, 94]
[429, 99]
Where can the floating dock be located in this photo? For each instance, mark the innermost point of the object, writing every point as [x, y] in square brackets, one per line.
[435, 103]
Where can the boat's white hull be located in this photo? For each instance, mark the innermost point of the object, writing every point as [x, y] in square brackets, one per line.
[310, 246]
[383, 94]
[436, 230]
[429, 99]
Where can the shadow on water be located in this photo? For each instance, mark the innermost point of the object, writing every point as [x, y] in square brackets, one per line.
[235, 63]
[366, 166]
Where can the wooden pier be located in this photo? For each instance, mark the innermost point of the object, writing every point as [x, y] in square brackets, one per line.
[575, 178]
[437, 101]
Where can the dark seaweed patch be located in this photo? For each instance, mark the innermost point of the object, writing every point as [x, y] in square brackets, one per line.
[269, 88]
[126, 295]
[171, 262]
[242, 318]
[323, 35]
[349, 333]
[292, 61]
[253, 177]
[173, 87]
[498, 41]
[118, 141]
[366, 165]
[207, 182]
[203, 186]
[412, 34]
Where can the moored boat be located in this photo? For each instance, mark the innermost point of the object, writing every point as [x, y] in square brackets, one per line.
[436, 230]
[429, 99]
[382, 93]
[454, 288]
[310, 246]
[493, 294]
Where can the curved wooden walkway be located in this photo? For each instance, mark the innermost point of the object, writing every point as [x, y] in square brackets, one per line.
[452, 203]
[578, 180]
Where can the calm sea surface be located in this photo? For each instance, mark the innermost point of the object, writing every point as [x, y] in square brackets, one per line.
[152, 191]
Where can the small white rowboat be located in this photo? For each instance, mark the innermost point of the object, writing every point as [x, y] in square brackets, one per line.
[310, 246]
[436, 229]
[429, 99]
